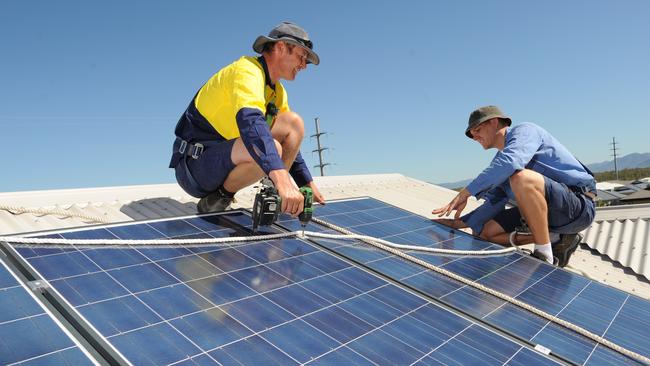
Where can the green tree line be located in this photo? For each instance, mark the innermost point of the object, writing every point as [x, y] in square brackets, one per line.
[625, 174]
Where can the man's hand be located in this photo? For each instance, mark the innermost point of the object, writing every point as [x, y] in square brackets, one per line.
[458, 204]
[292, 200]
[318, 197]
[452, 223]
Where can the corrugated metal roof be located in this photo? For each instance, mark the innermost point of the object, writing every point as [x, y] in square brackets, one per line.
[117, 204]
[638, 195]
[622, 233]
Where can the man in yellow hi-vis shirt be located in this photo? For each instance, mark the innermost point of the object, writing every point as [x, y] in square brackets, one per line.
[239, 127]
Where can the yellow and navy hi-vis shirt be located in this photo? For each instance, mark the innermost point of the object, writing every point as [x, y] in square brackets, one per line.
[241, 101]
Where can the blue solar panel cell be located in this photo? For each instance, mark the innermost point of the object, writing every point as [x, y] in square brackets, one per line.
[516, 320]
[359, 279]
[398, 298]
[300, 340]
[297, 299]
[70, 356]
[252, 351]
[187, 268]
[61, 265]
[220, 289]
[142, 277]
[295, 269]
[16, 303]
[432, 283]
[383, 349]
[136, 232]
[89, 288]
[119, 315]
[228, 259]
[341, 356]
[258, 313]
[371, 310]
[211, 328]
[174, 228]
[396, 268]
[31, 338]
[338, 324]
[330, 288]
[421, 336]
[158, 344]
[108, 259]
[325, 262]
[174, 301]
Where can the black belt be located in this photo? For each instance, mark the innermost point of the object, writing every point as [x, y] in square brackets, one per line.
[585, 192]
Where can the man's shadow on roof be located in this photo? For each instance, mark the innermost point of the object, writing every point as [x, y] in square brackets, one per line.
[157, 208]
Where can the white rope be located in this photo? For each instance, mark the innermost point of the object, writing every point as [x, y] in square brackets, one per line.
[502, 296]
[17, 210]
[205, 242]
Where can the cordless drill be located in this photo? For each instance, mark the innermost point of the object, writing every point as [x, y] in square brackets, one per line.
[267, 206]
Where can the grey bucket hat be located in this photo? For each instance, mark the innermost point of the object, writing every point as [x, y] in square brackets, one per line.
[483, 114]
[290, 33]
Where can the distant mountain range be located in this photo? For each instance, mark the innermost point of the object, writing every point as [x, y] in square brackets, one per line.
[633, 160]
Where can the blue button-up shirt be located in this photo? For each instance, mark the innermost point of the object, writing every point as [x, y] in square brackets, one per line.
[527, 146]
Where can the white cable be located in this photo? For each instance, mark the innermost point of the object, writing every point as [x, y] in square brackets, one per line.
[204, 242]
[17, 210]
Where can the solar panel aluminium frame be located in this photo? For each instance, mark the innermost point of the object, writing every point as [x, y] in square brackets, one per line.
[112, 356]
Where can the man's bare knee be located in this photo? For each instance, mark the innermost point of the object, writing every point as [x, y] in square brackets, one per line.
[525, 177]
[293, 122]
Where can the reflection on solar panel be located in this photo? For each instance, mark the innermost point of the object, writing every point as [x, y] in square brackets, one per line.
[291, 301]
[28, 335]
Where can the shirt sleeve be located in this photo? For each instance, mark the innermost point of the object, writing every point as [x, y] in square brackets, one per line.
[300, 172]
[257, 139]
[495, 202]
[521, 144]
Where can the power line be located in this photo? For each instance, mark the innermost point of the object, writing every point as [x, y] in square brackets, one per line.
[613, 144]
[320, 149]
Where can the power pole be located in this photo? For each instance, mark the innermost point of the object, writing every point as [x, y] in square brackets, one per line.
[320, 149]
[614, 150]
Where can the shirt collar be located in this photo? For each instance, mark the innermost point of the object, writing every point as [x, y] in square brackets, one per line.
[267, 77]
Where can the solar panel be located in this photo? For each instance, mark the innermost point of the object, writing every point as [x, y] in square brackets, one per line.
[279, 302]
[28, 334]
[613, 314]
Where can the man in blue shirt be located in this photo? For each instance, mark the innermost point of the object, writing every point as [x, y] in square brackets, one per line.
[552, 189]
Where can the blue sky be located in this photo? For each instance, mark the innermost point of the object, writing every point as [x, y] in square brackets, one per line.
[91, 90]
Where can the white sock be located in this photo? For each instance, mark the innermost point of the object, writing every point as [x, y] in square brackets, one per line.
[546, 250]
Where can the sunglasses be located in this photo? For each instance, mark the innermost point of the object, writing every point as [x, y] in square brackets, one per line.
[303, 42]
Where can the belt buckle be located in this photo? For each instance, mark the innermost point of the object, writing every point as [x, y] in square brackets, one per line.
[197, 150]
[181, 149]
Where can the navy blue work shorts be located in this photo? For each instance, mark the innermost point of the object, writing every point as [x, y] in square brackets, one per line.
[568, 212]
[208, 172]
